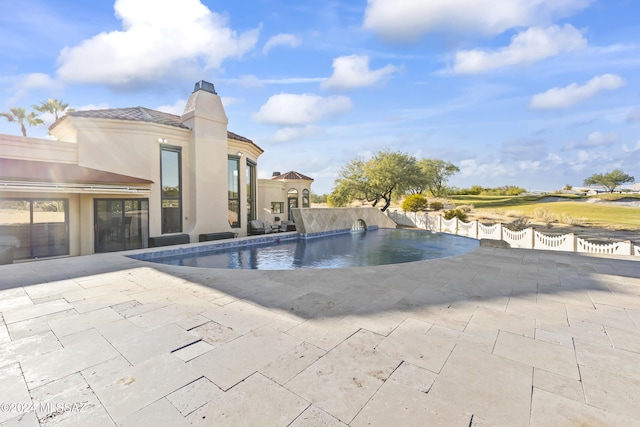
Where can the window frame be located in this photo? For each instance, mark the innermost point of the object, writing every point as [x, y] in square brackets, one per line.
[178, 151]
[230, 199]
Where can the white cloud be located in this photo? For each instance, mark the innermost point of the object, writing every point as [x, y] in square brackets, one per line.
[471, 168]
[595, 139]
[636, 147]
[574, 93]
[22, 84]
[410, 19]
[293, 110]
[158, 39]
[634, 116]
[281, 40]
[353, 72]
[177, 108]
[296, 133]
[528, 46]
[230, 100]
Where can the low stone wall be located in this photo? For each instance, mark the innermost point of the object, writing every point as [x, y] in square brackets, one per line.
[318, 220]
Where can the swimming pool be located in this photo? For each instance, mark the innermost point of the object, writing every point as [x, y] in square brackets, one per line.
[377, 247]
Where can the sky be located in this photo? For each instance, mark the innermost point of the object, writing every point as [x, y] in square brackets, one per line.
[533, 93]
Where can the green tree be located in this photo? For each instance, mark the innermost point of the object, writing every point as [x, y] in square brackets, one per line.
[53, 106]
[610, 180]
[386, 175]
[20, 115]
[415, 203]
[435, 174]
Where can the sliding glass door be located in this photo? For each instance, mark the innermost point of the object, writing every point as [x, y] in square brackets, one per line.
[36, 228]
[121, 224]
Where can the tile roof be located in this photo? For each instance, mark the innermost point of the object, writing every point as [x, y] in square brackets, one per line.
[63, 173]
[292, 175]
[141, 114]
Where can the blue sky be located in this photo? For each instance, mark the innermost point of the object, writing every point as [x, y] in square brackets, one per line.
[537, 94]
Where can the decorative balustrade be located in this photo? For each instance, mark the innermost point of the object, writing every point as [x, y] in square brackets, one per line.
[526, 239]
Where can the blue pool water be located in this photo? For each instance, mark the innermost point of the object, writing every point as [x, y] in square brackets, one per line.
[378, 247]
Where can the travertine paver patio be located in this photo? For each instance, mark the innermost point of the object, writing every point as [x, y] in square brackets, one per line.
[494, 337]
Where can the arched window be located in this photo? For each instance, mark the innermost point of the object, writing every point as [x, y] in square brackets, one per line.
[305, 198]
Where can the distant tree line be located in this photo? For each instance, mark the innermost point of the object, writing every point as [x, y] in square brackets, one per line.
[477, 190]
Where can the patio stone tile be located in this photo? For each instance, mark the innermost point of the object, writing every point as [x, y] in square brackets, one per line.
[586, 331]
[134, 307]
[410, 342]
[163, 316]
[24, 419]
[81, 351]
[508, 322]
[81, 322]
[192, 322]
[243, 317]
[18, 314]
[548, 409]
[214, 333]
[4, 332]
[324, 333]
[290, 364]
[18, 350]
[84, 293]
[313, 304]
[558, 384]
[382, 323]
[342, 381]
[490, 387]
[13, 391]
[539, 354]
[568, 297]
[124, 389]
[99, 302]
[614, 393]
[194, 395]
[17, 302]
[550, 311]
[603, 315]
[159, 341]
[477, 336]
[119, 330]
[255, 401]
[618, 298]
[37, 325]
[159, 413]
[51, 289]
[191, 351]
[623, 339]
[69, 401]
[316, 417]
[232, 362]
[401, 400]
[554, 338]
[453, 318]
[613, 360]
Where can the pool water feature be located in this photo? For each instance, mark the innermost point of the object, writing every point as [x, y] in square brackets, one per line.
[370, 248]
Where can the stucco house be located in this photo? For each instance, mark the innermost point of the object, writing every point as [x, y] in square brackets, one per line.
[114, 178]
[281, 193]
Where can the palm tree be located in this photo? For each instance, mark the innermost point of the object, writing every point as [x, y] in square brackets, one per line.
[20, 115]
[53, 106]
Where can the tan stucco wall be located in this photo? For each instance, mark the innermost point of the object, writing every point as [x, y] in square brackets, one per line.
[18, 147]
[271, 191]
[317, 220]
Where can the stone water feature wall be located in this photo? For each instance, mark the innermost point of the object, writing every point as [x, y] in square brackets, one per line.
[321, 220]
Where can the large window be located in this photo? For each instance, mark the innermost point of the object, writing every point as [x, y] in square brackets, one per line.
[36, 228]
[251, 191]
[234, 191]
[277, 207]
[171, 177]
[292, 199]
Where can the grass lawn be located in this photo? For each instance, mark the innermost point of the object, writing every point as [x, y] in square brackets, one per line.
[588, 214]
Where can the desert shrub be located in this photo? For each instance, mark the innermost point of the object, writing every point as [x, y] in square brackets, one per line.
[465, 208]
[436, 206]
[518, 224]
[565, 218]
[455, 213]
[414, 203]
[543, 215]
